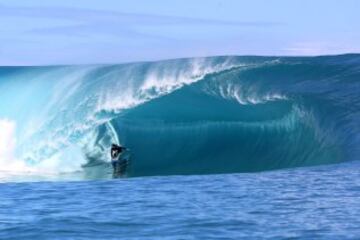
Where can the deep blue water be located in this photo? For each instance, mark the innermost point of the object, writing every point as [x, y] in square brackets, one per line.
[306, 203]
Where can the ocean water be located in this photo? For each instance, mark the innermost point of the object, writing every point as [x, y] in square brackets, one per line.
[220, 147]
[306, 203]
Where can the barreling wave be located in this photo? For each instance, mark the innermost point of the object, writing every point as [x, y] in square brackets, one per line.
[186, 116]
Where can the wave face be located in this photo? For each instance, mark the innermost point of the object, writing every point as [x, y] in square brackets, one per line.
[186, 116]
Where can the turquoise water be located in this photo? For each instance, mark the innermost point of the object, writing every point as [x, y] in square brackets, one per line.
[220, 147]
[307, 203]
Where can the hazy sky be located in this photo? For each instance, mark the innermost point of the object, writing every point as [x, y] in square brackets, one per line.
[36, 32]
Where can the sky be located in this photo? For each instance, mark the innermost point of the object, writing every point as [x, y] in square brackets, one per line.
[37, 32]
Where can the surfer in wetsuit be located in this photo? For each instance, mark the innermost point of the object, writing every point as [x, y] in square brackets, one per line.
[119, 164]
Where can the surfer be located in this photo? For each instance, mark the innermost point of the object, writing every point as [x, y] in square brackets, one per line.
[118, 163]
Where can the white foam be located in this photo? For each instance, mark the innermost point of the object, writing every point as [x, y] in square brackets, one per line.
[8, 161]
[245, 95]
[68, 160]
[7, 140]
[158, 81]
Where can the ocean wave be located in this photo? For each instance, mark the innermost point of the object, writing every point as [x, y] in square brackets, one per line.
[186, 116]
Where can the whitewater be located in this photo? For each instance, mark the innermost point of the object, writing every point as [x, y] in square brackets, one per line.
[185, 116]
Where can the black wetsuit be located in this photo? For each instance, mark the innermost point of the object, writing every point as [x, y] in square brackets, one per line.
[119, 165]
